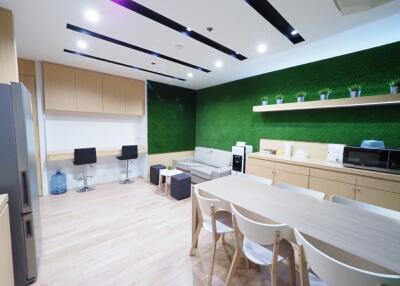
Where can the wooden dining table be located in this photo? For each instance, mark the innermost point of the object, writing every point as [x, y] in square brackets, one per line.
[370, 236]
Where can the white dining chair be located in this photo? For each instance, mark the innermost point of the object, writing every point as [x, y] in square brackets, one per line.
[304, 191]
[366, 207]
[258, 179]
[215, 217]
[328, 270]
[264, 243]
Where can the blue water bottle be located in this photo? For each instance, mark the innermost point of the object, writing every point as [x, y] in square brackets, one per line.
[58, 183]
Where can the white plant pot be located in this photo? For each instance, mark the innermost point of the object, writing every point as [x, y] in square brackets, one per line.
[324, 96]
[300, 99]
[264, 102]
[355, 93]
[279, 101]
[394, 89]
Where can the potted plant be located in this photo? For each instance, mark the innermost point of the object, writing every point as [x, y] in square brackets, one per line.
[300, 96]
[279, 99]
[170, 168]
[264, 100]
[394, 86]
[324, 93]
[355, 90]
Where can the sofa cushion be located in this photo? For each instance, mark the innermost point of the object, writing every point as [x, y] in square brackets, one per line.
[187, 165]
[220, 158]
[202, 155]
[204, 172]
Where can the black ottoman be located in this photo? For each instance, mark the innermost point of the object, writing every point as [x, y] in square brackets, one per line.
[155, 173]
[180, 186]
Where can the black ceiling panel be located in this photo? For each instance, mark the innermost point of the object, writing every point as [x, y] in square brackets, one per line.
[148, 13]
[121, 64]
[265, 9]
[133, 47]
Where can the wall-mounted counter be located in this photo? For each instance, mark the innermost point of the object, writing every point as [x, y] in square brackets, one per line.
[330, 178]
[331, 103]
[69, 154]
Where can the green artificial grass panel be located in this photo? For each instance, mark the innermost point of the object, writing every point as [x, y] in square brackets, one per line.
[171, 118]
[224, 112]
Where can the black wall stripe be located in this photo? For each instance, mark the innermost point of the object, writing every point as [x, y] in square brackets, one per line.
[133, 47]
[146, 12]
[121, 64]
[265, 9]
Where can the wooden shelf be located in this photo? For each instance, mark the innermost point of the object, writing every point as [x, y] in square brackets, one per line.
[69, 154]
[331, 103]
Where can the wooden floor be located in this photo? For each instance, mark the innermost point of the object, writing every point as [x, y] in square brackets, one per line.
[130, 235]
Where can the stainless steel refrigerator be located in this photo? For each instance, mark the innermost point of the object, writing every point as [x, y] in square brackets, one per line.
[18, 179]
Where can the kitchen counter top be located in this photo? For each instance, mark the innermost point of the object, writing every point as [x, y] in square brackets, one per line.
[3, 201]
[322, 164]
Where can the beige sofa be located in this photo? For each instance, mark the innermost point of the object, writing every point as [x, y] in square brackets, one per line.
[206, 164]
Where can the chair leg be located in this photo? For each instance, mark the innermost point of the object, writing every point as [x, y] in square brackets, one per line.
[304, 278]
[223, 238]
[233, 267]
[210, 272]
[195, 238]
[274, 266]
[292, 267]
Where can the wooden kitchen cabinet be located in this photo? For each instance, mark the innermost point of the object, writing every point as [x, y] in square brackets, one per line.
[59, 87]
[291, 174]
[378, 197]
[135, 97]
[6, 263]
[89, 91]
[260, 168]
[114, 94]
[330, 187]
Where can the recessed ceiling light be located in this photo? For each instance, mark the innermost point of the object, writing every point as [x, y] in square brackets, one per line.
[261, 48]
[188, 29]
[82, 45]
[178, 47]
[92, 15]
[294, 32]
[189, 74]
[218, 64]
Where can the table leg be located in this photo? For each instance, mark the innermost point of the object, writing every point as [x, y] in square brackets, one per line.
[166, 186]
[159, 180]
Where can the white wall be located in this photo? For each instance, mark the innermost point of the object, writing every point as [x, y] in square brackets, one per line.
[65, 131]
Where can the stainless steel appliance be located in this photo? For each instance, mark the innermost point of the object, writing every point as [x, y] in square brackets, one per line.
[239, 153]
[18, 179]
[382, 160]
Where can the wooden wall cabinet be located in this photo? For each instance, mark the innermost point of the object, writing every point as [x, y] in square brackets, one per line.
[134, 96]
[113, 94]
[73, 89]
[59, 87]
[89, 91]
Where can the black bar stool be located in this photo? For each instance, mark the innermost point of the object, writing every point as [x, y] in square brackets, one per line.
[84, 157]
[128, 152]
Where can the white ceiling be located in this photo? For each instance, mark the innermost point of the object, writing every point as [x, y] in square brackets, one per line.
[41, 35]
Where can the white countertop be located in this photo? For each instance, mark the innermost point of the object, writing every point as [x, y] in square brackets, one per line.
[323, 164]
[3, 201]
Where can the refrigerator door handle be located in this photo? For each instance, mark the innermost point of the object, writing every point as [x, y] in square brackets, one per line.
[26, 201]
[30, 249]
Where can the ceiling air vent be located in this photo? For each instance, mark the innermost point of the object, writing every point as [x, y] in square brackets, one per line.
[347, 7]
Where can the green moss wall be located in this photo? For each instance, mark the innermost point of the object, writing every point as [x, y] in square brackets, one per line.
[171, 115]
[224, 112]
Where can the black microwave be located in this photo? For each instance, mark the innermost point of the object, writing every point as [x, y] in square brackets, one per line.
[382, 160]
